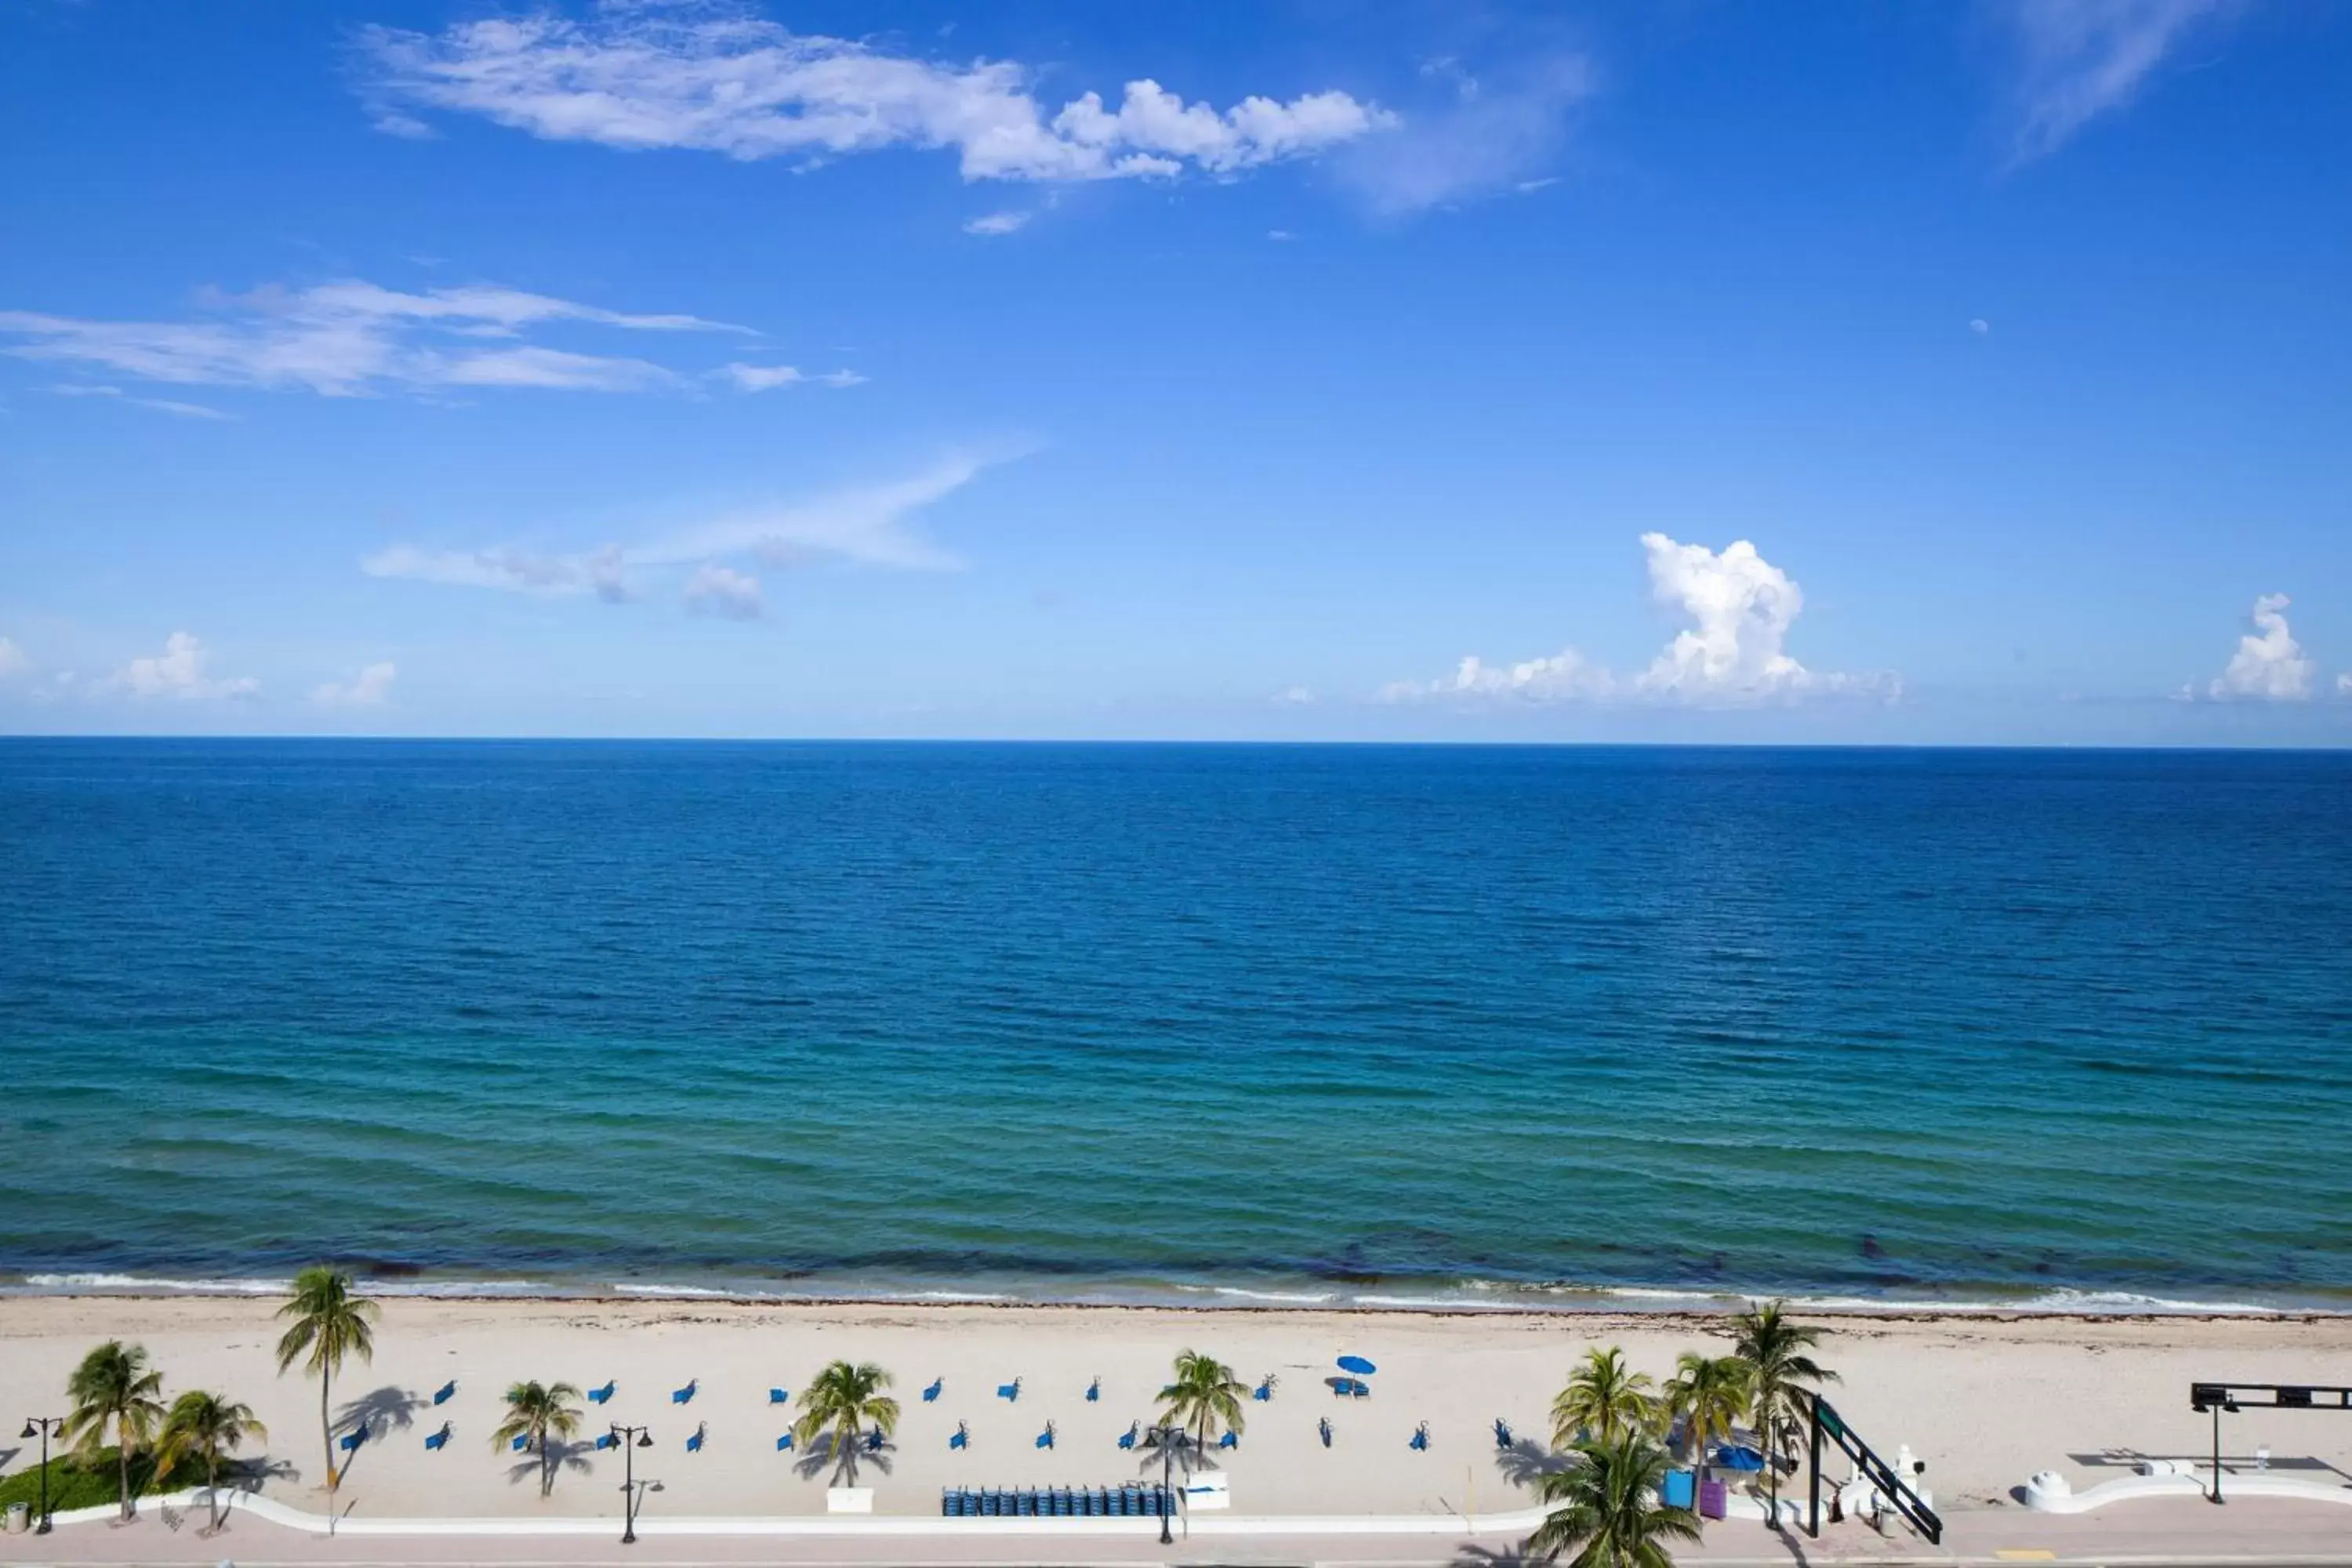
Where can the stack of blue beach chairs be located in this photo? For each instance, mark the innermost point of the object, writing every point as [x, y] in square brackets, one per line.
[1132, 1500]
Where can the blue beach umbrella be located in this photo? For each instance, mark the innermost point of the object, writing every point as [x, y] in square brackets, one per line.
[1357, 1366]
[1739, 1458]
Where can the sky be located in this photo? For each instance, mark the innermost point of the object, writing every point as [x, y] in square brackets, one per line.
[1677, 371]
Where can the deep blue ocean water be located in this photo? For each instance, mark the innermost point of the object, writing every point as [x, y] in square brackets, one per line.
[1382, 1024]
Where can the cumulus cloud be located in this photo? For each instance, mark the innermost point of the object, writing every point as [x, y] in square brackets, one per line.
[768, 378]
[995, 224]
[351, 338]
[178, 671]
[867, 525]
[2269, 665]
[14, 661]
[726, 593]
[718, 80]
[2079, 59]
[1491, 135]
[1734, 652]
[369, 689]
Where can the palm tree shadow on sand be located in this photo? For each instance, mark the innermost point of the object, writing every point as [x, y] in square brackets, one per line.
[1527, 1461]
[560, 1455]
[821, 1456]
[380, 1414]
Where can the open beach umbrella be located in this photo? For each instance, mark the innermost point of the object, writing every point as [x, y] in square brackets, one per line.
[1737, 1458]
[1357, 1366]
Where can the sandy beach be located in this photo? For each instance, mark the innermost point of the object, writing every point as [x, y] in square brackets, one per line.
[1985, 1401]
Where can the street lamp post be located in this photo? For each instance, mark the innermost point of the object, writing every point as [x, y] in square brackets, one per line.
[644, 1439]
[1169, 1437]
[42, 1425]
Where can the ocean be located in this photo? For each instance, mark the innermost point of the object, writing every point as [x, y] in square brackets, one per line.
[1216, 1025]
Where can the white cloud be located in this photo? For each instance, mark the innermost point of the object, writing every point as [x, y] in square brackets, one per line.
[178, 671]
[14, 661]
[368, 689]
[768, 378]
[2344, 684]
[997, 223]
[726, 593]
[161, 405]
[1980, 326]
[1734, 653]
[2083, 58]
[1295, 697]
[350, 338]
[2268, 665]
[1281, 235]
[1491, 138]
[720, 80]
[865, 526]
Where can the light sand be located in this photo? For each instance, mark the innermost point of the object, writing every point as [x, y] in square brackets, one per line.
[1985, 1401]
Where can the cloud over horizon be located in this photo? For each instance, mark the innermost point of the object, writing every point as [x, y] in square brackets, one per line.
[722, 80]
[368, 689]
[1732, 654]
[179, 672]
[2269, 666]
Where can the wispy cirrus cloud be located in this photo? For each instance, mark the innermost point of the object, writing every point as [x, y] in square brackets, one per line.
[1489, 134]
[354, 338]
[992, 226]
[2078, 60]
[1734, 653]
[722, 80]
[869, 525]
[768, 378]
[160, 404]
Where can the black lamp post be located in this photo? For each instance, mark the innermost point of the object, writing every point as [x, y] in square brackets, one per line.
[41, 1426]
[644, 1439]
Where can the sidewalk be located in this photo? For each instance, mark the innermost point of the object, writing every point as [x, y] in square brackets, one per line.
[2167, 1530]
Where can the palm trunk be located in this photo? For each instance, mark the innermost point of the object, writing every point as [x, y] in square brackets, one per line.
[122, 1460]
[326, 1432]
[212, 1491]
[546, 1469]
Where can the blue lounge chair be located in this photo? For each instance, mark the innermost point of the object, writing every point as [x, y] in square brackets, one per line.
[874, 1441]
[1127, 1438]
[442, 1395]
[599, 1396]
[1094, 1390]
[1045, 1438]
[778, 1397]
[438, 1440]
[1325, 1426]
[1420, 1437]
[932, 1395]
[352, 1440]
[1009, 1390]
[961, 1438]
[1230, 1440]
[604, 1440]
[683, 1395]
[694, 1444]
[1502, 1433]
[784, 1444]
[1264, 1391]
[522, 1441]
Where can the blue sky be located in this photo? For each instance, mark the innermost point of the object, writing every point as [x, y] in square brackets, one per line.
[1672, 371]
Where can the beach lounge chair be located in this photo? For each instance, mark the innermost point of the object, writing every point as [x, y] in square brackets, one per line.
[522, 1441]
[352, 1440]
[1230, 1440]
[1502, 1433]
[1324, 1425]
[605, 1440]
[1264, 1391]
[1127, 1438]
[443, 1395]
[438, 1440]
[1094, 1391]
[932, 1395]
[780, 1396]
[1009, 1390]
[1045, 1438]
[874, 1441]
[599, 1396]
[1421, 1438]
[684, 1395]
[694, 1444]
[784, 1444]
[961, 1438]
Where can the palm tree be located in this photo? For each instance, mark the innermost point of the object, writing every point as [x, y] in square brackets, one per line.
[1709, 1393]
[845, 1398]
[112, 1383]
[1603, 1400]
[1608, 1511]
[330, 1323]
[533, 1411]
[1204, 1393]
[1781, 1374]
[208, 1426]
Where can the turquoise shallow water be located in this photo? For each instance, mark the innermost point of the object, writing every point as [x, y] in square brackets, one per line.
[1206, 1023]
